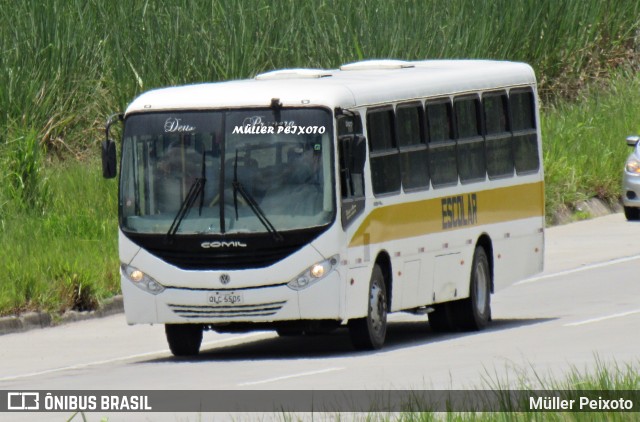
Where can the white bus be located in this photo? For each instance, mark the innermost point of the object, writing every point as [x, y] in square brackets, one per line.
[304, 200]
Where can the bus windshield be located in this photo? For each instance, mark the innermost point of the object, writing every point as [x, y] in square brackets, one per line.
[231, 171]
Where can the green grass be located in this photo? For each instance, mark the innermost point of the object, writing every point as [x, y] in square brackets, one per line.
[67, 64]
[63, 257]
[584, 143]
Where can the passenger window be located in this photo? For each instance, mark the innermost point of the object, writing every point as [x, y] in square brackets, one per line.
[413, 150]
[409, 128]
[522, 110]
[498, 136]
[442, 146]
[383, 154]
[439, 119]
[380, 129]
[525, 138]
[470, 146]
[495, 113]
[467, 117]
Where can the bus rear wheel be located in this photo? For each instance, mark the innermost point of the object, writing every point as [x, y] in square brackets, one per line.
[369, 333]
[441, 318]
[184, 339]
[474, 312]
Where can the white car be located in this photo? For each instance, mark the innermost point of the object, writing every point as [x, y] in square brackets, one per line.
[631, 181]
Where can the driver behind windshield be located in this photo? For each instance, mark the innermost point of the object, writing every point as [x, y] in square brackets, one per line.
[177, 170]
[299, 192]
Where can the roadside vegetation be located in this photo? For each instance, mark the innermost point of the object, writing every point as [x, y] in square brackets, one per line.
[67, 65]
[584, 143]
[608, 380]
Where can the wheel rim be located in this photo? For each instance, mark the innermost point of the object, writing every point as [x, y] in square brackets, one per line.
[481, 287]
[377, 309]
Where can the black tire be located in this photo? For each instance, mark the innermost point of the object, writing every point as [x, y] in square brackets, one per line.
[474, 312]
[632, 213]
[369, 333]
[184, 339]
[441, 318]
[289, 332]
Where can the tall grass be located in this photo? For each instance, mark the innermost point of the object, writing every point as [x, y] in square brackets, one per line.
[67, 64]
[67, 257]
[25, 186]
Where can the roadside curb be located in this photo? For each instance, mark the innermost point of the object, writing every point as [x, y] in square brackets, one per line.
[585, 210]
[33, 320]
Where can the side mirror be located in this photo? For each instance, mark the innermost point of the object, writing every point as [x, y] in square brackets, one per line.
[109, 170]
[632, 141]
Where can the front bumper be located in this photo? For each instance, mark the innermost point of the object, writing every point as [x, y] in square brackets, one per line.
[322, 300]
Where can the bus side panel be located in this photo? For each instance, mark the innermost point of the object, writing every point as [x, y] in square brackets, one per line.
[357, 292]
[450, 277]
[518, 255]
[412, 284]
[322, 300]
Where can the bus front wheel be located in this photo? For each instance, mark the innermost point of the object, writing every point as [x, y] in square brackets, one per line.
[184, 339]
[474, 313]
[369, 333]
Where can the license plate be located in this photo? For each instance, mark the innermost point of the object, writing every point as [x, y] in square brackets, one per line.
[224, 298]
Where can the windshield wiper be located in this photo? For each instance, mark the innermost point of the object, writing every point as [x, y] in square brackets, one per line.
[196, 188]
[237, 187]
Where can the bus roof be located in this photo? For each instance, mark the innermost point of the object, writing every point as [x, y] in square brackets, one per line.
[357, 84]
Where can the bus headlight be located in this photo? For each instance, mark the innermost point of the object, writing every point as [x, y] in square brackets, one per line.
[633, 166]
[314, 273]
[141, 280]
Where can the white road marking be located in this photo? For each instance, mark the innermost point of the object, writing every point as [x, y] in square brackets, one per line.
[579, 269]
[604, 318]
[284, 377]
[122, 358]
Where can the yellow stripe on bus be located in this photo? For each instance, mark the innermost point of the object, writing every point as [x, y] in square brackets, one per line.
[446, 213]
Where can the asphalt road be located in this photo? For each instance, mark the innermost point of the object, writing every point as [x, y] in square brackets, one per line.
[582, 311]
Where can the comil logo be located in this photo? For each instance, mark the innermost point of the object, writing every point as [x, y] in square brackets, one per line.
[223, 244]
[23, 401]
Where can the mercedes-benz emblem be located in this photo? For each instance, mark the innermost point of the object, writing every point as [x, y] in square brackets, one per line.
[225, 279]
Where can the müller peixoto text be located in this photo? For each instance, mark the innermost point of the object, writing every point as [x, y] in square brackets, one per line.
[582, 403]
